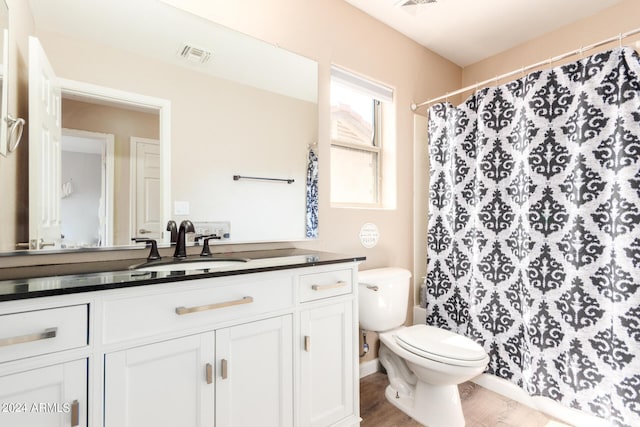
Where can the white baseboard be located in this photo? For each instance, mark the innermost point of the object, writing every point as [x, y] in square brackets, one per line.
[369, 367]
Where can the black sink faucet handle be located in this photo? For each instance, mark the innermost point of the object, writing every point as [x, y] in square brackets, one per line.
[172, 227]
[153, 253]
[205, 248]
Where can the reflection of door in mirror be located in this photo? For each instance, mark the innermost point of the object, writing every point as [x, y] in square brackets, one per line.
[45, 132]
[145, 188]
[86, 207]
[93, 115]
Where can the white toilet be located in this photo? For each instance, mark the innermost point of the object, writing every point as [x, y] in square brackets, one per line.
[424, 363]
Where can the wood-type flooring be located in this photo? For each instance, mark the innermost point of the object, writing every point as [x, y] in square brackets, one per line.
[481, 408]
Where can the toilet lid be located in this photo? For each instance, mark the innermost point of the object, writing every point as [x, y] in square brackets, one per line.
[426, 341]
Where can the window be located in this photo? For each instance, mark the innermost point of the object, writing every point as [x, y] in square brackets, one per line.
[357, 110]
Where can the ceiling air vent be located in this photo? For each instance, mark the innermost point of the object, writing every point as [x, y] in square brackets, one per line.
[194, 54]
[407, 3]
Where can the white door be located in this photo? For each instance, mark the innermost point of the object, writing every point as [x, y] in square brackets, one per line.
[166, 384]
[326, 364]
[53, 396]
[254, 374]
[146, 190]
[45, 130]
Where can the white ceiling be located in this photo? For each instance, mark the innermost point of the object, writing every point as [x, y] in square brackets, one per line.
[467, 31]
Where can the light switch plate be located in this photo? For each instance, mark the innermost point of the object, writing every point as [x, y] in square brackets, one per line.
[180, 208]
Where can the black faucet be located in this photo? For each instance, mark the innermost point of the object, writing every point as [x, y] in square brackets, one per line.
[186, 226]
[206, 251]
[173, 228]
[153, 253]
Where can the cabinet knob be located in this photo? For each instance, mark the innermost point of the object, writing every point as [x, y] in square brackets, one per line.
[307, 343]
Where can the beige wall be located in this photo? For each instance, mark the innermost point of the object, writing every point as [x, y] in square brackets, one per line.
[623, 17]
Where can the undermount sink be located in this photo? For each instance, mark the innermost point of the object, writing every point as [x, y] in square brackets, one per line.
[190, 265]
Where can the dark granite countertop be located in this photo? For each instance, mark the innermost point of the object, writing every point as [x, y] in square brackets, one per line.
[88, 277]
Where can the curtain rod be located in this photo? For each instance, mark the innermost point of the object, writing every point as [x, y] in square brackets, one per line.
[619, 37]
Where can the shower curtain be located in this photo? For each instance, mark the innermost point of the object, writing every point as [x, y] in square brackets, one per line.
[534, 231]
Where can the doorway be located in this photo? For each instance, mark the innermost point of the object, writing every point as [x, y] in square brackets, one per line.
[87, 176]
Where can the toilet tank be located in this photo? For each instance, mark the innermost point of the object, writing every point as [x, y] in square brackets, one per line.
[383, 297]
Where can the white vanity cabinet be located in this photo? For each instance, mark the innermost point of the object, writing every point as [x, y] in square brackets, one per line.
[254, 374]
[275, 348]
[51, 396]
[236, 376]
[327, 368]
[161, 384]
[43, 375]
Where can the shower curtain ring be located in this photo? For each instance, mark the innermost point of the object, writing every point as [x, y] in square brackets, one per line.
[620, 40]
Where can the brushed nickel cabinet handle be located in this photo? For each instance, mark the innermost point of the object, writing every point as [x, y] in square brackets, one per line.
[307, 343]
[144, 231]
[338, 284]
[75, 413]
[186, 310]
[224, 369]
[48, 333]
[209, 371]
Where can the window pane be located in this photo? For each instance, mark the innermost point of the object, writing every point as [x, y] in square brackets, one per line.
[351, 115]
[353, 176]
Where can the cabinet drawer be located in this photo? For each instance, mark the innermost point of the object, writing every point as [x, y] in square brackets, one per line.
[32, 333]
[322, 285]
[142, 316]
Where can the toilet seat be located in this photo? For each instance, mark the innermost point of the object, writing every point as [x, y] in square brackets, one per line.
[440, 345]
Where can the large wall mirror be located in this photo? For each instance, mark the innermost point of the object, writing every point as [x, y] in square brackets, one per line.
[159, 110]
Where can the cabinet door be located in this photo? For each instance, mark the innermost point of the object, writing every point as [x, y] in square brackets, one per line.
[254, 374]
[169, 383]
[45, 397]
[326, 364]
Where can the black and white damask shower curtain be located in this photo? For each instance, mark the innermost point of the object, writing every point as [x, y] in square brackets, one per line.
[534, 231]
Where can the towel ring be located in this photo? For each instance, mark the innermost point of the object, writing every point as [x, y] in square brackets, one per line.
[14, 125]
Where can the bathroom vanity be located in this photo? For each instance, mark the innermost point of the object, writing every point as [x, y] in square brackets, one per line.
[270, 340]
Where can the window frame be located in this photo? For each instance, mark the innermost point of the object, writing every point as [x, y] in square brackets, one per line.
[361, 84]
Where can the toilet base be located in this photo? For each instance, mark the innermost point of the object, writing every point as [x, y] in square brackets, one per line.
[433, 406]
